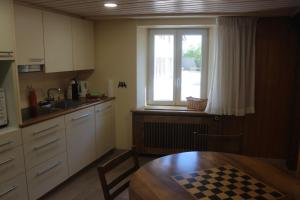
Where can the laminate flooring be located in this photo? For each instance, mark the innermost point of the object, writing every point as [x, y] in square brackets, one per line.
[86, 184]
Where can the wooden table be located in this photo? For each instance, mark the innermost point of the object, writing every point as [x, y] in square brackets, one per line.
[153, 181]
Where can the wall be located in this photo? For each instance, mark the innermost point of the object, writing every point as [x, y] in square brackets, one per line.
[294, 142]
[268, 130]
[41, 82]
[116, 59]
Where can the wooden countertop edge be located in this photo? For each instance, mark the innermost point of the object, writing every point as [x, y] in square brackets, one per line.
[169, 112]
[62, 112]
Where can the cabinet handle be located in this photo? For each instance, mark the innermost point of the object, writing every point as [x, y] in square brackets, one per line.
[107, 108]
[36, 59]
[82, 116]
[5, 54]
[6, 162]
[8, 191]
[47, 129]
[45, 145]
[6, 143]
[48, 169]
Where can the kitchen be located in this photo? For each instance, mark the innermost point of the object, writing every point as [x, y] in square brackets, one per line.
[83, 81]
[47, 57]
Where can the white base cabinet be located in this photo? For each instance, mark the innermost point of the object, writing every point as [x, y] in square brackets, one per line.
[43, 178]
[12, 171]
[14, 189]
[54, 150]
[11, 163]
[105, 128]
[80, 131]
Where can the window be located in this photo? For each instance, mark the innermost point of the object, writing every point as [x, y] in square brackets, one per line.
[177, 65]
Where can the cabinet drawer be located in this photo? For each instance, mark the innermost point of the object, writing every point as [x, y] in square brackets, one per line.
[44, 148]
[10, 139]
[11, 163]
[43, 178]
[104, 106]
[42, 129]
[79, 116]
[14, 189]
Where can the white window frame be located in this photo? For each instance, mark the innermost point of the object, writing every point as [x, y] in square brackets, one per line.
[177, 62]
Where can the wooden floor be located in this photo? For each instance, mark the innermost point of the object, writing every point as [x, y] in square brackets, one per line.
[86, 185]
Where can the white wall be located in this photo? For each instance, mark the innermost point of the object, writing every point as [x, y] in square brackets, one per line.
[117, 58]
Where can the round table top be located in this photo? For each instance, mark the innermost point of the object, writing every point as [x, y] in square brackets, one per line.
[154, 180]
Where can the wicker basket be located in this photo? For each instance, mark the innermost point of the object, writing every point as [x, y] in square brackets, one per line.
[196, 103]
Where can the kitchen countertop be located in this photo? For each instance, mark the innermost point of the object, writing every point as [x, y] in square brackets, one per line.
[30, 116]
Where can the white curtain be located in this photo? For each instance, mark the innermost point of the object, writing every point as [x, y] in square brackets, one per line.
[232, 88]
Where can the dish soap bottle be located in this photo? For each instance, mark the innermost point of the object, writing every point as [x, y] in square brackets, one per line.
[32, 99]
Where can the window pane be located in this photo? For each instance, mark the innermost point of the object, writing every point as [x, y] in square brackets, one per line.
[163, 67]
[191, 65]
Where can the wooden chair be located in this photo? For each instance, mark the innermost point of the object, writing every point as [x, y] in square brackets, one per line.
[110, 165]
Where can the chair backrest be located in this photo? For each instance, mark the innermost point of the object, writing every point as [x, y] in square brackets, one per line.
[109, 166]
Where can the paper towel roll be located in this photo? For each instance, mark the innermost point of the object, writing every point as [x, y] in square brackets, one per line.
[110, 88]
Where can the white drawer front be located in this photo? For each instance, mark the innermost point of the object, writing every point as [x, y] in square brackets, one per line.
[80, 115]
[104, 106]
[11, 163]
[44, 148]
[43, 178]
[42, 129]
[14, 189]
[10, 139]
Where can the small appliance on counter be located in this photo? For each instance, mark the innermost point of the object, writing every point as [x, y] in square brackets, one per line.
[73, 90]
[83, 88]
[3, 109]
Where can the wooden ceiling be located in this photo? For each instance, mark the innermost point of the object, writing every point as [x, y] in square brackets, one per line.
[94, 9]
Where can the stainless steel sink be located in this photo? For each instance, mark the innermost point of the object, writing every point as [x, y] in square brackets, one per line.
[66, 104]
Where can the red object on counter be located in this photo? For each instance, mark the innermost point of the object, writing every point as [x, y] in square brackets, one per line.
[32, 98]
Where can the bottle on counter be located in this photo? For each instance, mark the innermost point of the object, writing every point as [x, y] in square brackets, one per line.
[32, 98]
[75, 91]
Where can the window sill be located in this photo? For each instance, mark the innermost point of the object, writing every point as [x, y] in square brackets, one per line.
[169, 110]
[175, 108]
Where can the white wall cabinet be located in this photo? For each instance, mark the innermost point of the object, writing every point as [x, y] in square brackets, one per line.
[29, 35]
[80, 132]
[6, 30]
[105, 128]
[58, 42]
[83, 44]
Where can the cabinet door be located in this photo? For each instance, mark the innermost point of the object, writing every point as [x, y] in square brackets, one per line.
[29, 35]
[80, 132]
[44, 177]
[58, 42]
[83, 44]
[6, 29]
[14, 189]
[105, 132]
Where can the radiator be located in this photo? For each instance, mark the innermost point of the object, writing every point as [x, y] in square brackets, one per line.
[175, 136]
